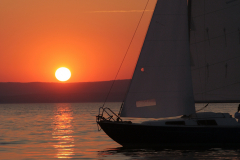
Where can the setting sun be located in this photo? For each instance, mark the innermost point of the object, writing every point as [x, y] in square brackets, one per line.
[63, 74]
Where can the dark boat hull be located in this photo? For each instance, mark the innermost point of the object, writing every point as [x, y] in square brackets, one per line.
[136, 135]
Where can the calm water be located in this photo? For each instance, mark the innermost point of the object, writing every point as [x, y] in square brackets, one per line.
[69, 131]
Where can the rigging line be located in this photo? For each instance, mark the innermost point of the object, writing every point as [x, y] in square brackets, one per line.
[126, 93]
[126, 52]
[202, 108]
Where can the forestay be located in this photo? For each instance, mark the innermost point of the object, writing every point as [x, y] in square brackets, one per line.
[161, 85]
[215, 50]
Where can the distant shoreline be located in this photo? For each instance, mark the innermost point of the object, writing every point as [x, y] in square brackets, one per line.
[38, 92]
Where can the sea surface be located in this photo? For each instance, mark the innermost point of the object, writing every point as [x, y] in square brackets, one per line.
[69, 131]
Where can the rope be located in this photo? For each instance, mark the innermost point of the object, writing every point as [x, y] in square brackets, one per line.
[202, 108]
[126, 53]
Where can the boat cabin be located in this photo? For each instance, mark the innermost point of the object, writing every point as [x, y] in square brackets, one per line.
[197, 119]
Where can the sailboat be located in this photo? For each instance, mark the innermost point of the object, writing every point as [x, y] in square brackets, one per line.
[191, 54]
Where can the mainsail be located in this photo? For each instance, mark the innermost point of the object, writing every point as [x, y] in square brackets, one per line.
[162, 85]
[215, 50]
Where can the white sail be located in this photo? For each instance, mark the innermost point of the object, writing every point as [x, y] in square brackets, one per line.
[161, 85]
[215, 50]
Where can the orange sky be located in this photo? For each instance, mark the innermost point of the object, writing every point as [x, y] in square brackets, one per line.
[90, 37]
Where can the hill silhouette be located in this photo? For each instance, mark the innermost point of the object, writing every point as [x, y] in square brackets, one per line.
[38, 92]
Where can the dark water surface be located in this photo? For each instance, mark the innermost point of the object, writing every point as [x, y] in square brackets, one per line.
[69, 131]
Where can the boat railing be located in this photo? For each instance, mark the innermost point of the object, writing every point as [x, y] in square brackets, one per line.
[107, 112]
[111, 117]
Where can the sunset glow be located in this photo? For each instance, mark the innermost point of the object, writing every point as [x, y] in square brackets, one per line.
[90, 37]
[63, 74]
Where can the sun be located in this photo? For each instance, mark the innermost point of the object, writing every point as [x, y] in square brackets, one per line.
[63, 74]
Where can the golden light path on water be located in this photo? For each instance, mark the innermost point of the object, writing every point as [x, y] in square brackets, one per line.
[63, 131]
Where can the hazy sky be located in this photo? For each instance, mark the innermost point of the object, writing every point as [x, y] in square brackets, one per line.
[90, 37]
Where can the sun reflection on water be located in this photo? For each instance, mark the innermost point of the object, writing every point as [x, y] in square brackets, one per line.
[63, 131]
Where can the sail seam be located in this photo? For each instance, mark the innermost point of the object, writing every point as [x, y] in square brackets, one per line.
[218, 88]
[170, 40]
[183, 91]
[215, 11]
[172, 14]
[214, 37]
[164, 66]
[216, 63]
